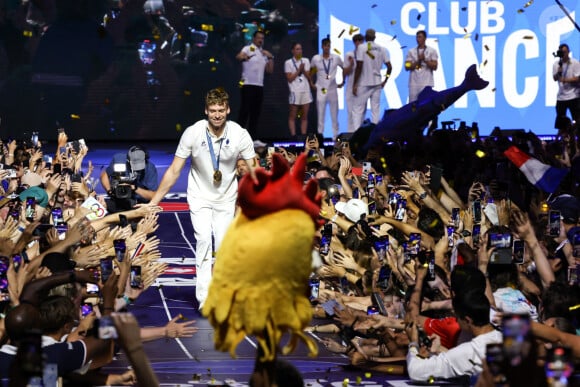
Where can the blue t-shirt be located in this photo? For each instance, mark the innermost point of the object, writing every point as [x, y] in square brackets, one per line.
[146, 178]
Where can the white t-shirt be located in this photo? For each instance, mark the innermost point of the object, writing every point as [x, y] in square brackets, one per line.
[348, 79]
[234, 142]
[465, 359]
[568, 90]
[300, 84]
[253, 68]
[326, 70]
[373, 57]
[424, 75]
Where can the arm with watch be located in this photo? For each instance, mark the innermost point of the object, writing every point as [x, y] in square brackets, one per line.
[429, 200]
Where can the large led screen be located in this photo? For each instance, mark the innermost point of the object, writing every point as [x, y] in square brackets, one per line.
[512, 42]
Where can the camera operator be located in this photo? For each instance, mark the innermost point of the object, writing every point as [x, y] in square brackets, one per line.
[129, 179]
[566, 71]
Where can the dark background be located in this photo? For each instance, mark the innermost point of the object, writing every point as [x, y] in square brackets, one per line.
[99, 89]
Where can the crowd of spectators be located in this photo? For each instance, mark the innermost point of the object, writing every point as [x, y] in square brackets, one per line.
[430, 248]
[69, 269]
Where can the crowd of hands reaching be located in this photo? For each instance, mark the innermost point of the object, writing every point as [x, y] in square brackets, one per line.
[27, 236]
[348, 282]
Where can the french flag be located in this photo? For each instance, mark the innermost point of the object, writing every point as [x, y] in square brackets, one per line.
[541, 175]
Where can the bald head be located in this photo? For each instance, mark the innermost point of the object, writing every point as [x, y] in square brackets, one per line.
[20, 320]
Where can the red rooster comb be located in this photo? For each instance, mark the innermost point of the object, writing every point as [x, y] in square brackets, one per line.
[279, 189]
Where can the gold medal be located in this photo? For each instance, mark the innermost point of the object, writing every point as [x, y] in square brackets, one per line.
[327, 76]
[217, 176]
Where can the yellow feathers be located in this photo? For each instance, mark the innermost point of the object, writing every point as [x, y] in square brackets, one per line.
[260, 282]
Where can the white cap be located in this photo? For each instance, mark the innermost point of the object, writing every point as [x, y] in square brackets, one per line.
[353, 209]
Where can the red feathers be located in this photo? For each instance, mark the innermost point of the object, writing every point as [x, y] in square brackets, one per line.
[279, 189]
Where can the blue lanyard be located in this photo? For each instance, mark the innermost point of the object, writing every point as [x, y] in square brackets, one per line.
[215, 161]
[327, 68]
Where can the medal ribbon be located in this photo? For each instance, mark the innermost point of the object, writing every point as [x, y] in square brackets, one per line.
[215, 161]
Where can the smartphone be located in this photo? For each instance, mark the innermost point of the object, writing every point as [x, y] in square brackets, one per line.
[314, 285]
[86, 309]
[554, 223]
[92, 288]
[377, 300]
[123, 222]
[329, 306]
[61, 229]
[16, 262]
[106, 265]
[517, 343]
[384, 277]
[430, 259]
[56, 169]
[135, 278]
[559, 366]
[371, 310]
[476, 234]
[325, 239]
[271, 150]
[372, 208]
[424, 340]
[576, 242]
[494, 358]
[34, 139]
[371, 181]
[105, 328]
[455, 217]
[450, 232]
[503, 247]
[572, 275]
[414, 244]
[381, 246]
[30, 209]
[366, 167]
[57, 218]
[378, 179]
[4, 264]
[435, 179]
[518, 251]
[401, 209]
[120, 249]
[477, 211]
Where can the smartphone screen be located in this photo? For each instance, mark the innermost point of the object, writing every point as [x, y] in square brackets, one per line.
[476, 234]
[57, 218]
[414, 243]
[29, 211]
[503, 247]
[430, 259]
[384, 277]
[455, 217]
[450, 232]
[106, 328]
[401, 209]
[86, 309]
[558, 365]
[381, 247]
[371, 310]
[494, 358]
[106, 265]
[518, 251]
[135, 277]
[56, 169]
[378, 303]
[576, 242]
[92, 288]
[314, 288]
[516, 338]
[123, 222]
[554, 223]
[120, 249]
[4, 263]
[325, 240]
[477, 211]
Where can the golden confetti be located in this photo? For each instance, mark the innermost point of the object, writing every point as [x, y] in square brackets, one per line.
[338, 52]
[484, 63]
[528, 3]
[313, 70]
[486, 47]
[403, 47]
[178, 128]
[252, 48]
[464, 30]
[352, 30]
[520, 10]
[341, 32]
[394, 37]
[214, 68]
[27, 33]
[179, 37]
[212, 60]
[156, 37]
[466, 36]
[374, 6]
[75, 116]
[324, 91]
[476, 37]
[370, 55]
[464, 8]
[186, 92]
[393, 22]
[345, 382]
[493, 90]
[529, 37]
[358, 380]
[419, 17]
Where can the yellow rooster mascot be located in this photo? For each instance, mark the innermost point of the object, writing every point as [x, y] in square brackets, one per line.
[260, 278]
